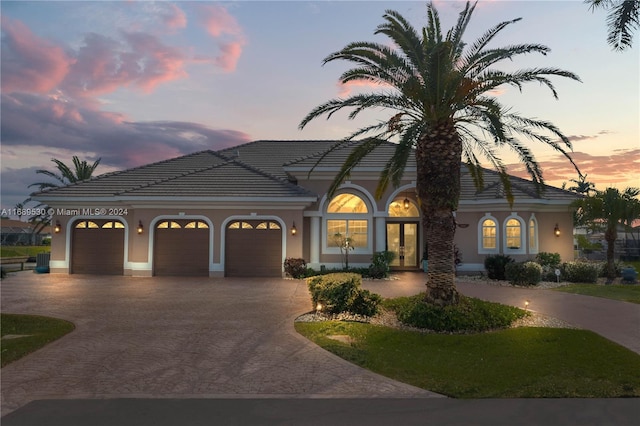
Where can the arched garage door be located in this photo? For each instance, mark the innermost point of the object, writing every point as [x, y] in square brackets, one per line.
[253, 248]
[181, 248]
[97, 247]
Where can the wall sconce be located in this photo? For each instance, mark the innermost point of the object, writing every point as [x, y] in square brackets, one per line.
[58, 227]
[294, 231]
[406, 204]
[140, 227]
[556, 231]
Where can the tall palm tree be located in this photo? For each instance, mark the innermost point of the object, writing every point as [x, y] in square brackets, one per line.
[582, 185]
[439, 90]
[82, 170]
[622, 21]
[609, 209]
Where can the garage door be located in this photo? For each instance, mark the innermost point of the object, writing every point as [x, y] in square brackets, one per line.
[253, 248]
[181, 248]
[97, 247]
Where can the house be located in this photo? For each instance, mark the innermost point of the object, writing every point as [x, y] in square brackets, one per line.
[241, 211]
[19, 233]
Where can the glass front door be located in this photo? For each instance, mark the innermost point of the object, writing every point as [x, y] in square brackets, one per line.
[402, 239]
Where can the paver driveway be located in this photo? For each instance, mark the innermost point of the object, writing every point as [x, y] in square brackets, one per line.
[176, 337]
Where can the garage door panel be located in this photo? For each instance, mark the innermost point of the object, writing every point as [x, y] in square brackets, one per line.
[181, 252]
[251, 252]
[97, 251]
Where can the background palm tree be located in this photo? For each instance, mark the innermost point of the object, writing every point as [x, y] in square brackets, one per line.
[439, 90]
[82, 170]
[607, 210]
[622, 20]
[581, 186]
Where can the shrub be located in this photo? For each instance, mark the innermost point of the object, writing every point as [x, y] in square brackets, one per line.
[295, 267]
[469, 315]
[523, 273]
[341, 292]
[495, 265]
[548, 259]
[580, 272]
[379, 267]
[617, 265]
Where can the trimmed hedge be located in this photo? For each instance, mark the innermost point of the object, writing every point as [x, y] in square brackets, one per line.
[580, 272]
[495, 265]
[295, 267]
[341, 292]
[523, 273]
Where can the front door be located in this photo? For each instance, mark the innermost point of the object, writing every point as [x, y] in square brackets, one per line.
[402, 239]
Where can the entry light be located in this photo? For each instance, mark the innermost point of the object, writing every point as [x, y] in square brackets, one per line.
[140, 227]
[406, 203]
[556, 231]
[58, 227]
[294, 231]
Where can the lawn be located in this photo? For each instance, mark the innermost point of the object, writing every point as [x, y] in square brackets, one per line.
[16, 251]
[34, 331]
[623, 292]
[510, 363]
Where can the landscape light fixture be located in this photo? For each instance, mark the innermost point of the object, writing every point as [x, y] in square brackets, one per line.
[294, 230]
[58, 227]
[526, 304]
[556, 231]
[140, 227]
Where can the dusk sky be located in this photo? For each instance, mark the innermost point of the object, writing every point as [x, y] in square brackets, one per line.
[134, 82]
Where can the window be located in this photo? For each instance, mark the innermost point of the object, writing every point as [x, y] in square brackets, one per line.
[168, 224]
[397, 209]
[267, 225]
[347, 217]
[514, 233]
[533, 235]
[114, 224]
[87, 224]
[196, 225]
[488, 235]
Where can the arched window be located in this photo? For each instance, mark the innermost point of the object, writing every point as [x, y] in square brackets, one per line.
[87, 224]
[488, 235]
[347, 219]
[168, 225]
[397, 209]
[514, 232]
[533, 234]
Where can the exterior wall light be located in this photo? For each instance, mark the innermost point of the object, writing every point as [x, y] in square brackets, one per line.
[406, 203]
[294, 231]
[556, 231]
[58, 227]
[140, 227]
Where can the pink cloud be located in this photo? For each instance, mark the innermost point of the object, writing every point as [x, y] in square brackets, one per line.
[175, 17]
[346, 88]
[30, 63]
[220, 24]
[104, 64]
[229, 56]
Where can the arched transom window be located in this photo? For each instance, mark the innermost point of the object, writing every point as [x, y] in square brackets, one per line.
[347, 219]
[398, 208]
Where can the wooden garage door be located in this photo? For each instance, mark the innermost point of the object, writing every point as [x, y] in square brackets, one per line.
[97, 247]
[253, 248]
[181, 248]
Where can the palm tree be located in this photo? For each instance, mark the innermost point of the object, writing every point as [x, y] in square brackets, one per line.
[582, 185]
[439, 90]
[608, 209]
[81, 171]
[623, 19]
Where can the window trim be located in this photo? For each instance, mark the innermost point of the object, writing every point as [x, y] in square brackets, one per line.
[535, 247]
[523, 232]
[481, 248]
[327, 249]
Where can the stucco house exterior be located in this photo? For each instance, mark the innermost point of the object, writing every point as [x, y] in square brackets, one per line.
[241, 211]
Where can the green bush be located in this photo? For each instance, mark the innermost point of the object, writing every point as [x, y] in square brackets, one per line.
[295, 267]
[341, 292]
[548, 259]
[495, 264]
[469, 315]
[379, 267]
[523, 273]
[580, 272]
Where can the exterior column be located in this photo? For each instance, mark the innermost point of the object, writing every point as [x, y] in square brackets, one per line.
[381, 233]
[314, 241]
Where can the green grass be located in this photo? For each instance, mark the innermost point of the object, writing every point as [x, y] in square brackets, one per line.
[510, 363]
[15, 251]
[624, 292]
[37, 332]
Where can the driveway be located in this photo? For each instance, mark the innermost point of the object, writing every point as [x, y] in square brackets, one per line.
[176, 338]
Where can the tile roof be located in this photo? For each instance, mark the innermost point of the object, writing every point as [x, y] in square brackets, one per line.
[262, 169]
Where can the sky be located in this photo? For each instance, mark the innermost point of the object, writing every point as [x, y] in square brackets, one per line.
[135, 82]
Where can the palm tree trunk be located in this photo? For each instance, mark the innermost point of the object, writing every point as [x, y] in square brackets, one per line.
[438, 155]
[610, 237]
